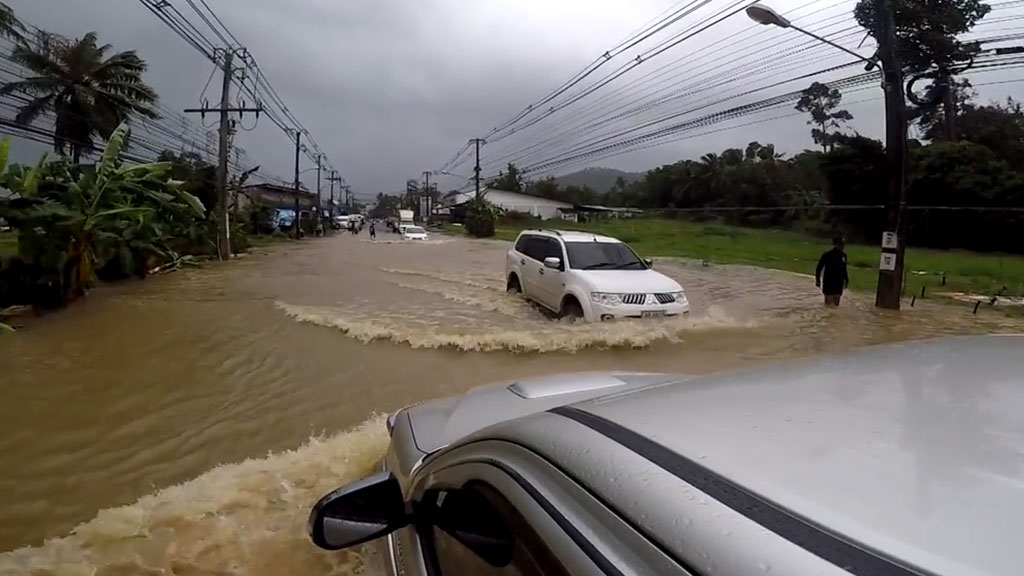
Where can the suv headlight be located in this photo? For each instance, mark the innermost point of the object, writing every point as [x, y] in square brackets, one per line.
[680, 297]
[606, 298]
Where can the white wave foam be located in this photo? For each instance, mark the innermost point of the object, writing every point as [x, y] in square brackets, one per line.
[543, 336]
[246, 518]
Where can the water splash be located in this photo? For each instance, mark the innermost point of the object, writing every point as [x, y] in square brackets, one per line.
[245, 518]
[543, 336]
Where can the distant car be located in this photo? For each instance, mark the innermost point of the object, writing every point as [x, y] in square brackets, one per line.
[589, 276]
[414, 233]
[899, 460]
[340, 222]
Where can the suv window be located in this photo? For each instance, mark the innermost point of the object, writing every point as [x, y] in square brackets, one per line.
[602, 256]
[490, 517]
[538, 247]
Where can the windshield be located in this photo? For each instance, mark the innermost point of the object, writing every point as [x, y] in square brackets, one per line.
[414, 230]
[602, 256]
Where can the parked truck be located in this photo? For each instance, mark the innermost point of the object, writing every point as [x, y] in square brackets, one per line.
[405, 218]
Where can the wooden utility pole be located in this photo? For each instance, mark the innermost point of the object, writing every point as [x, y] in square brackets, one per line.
[223, 216]
[298, 150]
[890, 268]
[476, 169]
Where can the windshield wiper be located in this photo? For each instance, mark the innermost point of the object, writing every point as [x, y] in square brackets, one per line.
[601, 265]
[625, 265]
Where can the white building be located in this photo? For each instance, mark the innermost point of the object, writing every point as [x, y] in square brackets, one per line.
[514, 202]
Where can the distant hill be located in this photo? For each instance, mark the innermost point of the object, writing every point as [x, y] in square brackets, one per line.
[600, 179]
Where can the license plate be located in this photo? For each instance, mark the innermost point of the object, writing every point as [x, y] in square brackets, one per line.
[652, 313]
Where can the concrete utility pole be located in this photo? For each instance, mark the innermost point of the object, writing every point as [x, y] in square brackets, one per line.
[476, 170]
[223, 217]
[298, 150]
[890, 267]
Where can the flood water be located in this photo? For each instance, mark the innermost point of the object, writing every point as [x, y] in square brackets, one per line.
[184, 424]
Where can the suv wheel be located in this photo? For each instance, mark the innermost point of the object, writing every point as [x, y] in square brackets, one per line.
[571, 309]
[513, 286]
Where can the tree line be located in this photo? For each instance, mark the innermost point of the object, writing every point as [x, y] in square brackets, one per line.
[967, 165]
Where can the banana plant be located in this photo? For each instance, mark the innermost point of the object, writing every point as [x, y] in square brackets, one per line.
[74, 219]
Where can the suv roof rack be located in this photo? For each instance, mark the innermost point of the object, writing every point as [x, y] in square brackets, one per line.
[552, 231]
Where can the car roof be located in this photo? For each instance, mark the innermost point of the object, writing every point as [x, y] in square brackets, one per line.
[912, 450]
[572, 235]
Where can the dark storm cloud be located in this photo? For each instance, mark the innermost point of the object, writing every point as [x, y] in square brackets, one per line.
[390, 88]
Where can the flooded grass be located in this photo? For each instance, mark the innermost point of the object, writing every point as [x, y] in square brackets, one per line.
[965, 271]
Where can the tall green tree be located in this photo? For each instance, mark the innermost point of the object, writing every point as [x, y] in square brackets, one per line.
[10, 26]
[820, 102]
[510, 180]
[90, 91]
[928, 40]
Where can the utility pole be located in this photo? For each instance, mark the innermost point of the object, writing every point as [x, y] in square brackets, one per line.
[425, 193]
[223, 217]
[335, 178]
[298, 150]
[346, 189]
[476, 170]
[319, 198]
[890, 268]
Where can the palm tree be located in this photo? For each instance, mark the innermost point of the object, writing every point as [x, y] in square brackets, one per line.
[10, 26]
[90, 93]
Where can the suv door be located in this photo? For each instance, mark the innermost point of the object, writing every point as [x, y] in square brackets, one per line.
[531, 247]
[549, 280]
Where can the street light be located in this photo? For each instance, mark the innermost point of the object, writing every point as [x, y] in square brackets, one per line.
[890, 265]
[766, 16]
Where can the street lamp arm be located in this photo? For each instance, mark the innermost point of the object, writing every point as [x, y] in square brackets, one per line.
[870, 61]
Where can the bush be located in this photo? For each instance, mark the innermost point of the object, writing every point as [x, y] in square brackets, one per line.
[480, 218]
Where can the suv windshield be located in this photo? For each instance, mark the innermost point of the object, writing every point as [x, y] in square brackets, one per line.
[414, 230]
[602, 256]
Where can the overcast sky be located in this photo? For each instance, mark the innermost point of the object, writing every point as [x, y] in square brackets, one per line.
[390, 88]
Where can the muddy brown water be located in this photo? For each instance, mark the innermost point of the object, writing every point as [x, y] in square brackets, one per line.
[185, 423]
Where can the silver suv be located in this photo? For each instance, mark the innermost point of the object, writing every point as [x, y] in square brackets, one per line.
[589, 276]
[899, 460]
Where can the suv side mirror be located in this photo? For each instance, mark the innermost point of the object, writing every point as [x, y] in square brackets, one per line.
[649, 262]
[553, 262]
[357, 513]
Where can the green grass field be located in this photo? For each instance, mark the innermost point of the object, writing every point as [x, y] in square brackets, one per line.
[965, 271]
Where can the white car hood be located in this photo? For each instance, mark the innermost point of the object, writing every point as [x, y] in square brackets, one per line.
[628, 281]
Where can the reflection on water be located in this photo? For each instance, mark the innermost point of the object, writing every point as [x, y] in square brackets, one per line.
[154, 387]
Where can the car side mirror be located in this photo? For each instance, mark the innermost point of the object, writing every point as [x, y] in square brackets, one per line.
[649, 262]
[357, 513]
[553, 262]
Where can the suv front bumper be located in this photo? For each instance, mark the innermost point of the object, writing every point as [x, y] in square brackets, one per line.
[602, 312]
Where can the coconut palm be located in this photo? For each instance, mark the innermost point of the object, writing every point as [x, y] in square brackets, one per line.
[10, 26]
[89, 92]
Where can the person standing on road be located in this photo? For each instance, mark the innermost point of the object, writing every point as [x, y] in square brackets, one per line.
[373, 231]
[831, 275]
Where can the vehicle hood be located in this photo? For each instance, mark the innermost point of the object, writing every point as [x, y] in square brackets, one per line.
[628, 281]
[438, 423]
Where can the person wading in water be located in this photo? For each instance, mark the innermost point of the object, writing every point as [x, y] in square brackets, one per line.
[832, 265]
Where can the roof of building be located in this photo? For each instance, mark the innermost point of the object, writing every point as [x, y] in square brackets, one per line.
[276, 188]
[505, 197]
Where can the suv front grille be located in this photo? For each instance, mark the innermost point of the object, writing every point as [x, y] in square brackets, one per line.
[665, 298]
[634, 298]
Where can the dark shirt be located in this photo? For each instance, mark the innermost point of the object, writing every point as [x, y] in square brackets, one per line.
[833, 264]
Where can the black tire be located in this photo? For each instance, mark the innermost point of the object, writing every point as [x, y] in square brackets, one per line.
[513, 286]
[571, 309]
